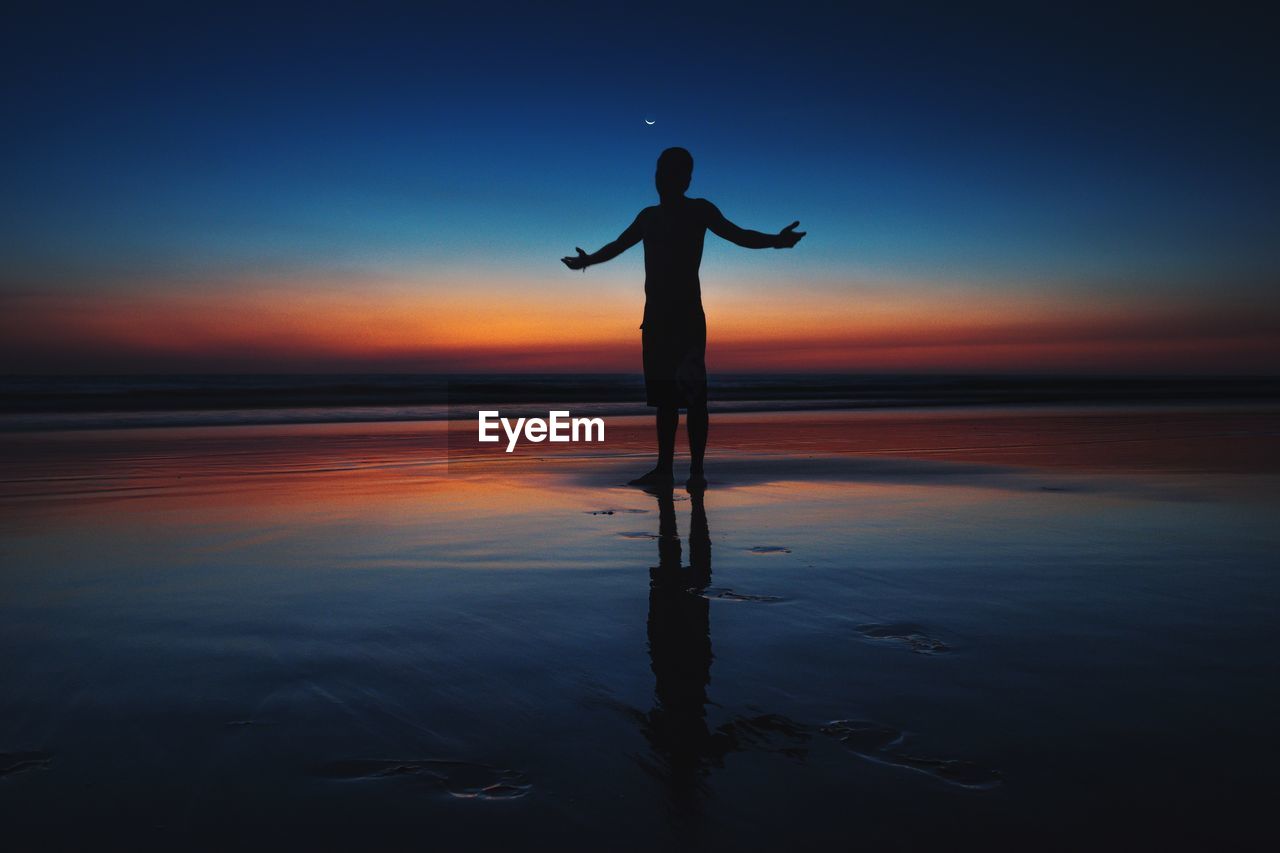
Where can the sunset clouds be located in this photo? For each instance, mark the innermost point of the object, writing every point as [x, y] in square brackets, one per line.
[549, 325]
[392, 192]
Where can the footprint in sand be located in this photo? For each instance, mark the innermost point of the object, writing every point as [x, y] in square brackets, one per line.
[614, 511]
[862, 735]
[12, 763]
[884, 744]
[966, 774]
[909, 635]
[726, 594]
[638, 535]
[767, 733]
[460, 779]
[768, 549]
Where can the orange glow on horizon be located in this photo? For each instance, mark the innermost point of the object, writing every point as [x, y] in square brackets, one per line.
[553, 327]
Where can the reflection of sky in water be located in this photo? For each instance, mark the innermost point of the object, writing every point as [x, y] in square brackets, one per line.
[1099, 623]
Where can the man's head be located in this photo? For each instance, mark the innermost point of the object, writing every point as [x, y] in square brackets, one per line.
[675, 170]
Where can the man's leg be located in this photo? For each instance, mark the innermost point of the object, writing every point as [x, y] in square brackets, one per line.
[697, 422]
[668, 419]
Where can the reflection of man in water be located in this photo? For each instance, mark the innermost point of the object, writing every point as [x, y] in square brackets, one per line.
[674, 328]
[680, 654]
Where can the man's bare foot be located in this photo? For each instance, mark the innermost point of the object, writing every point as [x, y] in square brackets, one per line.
[697, 481]
[656, 477]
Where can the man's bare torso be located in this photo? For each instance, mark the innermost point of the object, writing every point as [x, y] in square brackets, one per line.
[673, 239]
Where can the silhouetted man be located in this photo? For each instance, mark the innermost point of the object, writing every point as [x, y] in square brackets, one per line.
[675, 329]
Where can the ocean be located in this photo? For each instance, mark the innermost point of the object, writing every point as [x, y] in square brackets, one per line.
[36, 403]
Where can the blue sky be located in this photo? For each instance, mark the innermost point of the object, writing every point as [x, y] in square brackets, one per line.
[1013, 150]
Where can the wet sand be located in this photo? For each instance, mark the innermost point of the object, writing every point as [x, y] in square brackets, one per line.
[901, 630]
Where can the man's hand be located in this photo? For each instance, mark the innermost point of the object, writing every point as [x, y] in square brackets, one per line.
[580, 262]
[787, 237]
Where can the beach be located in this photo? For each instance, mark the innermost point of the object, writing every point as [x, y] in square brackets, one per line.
[1028, 627]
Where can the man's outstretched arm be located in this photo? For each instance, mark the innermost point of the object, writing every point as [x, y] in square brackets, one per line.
[721, 227]
[609, 251]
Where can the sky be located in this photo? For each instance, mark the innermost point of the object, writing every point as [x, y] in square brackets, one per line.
[389, 187]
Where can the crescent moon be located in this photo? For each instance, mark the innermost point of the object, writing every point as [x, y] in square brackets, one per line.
[646, 121]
